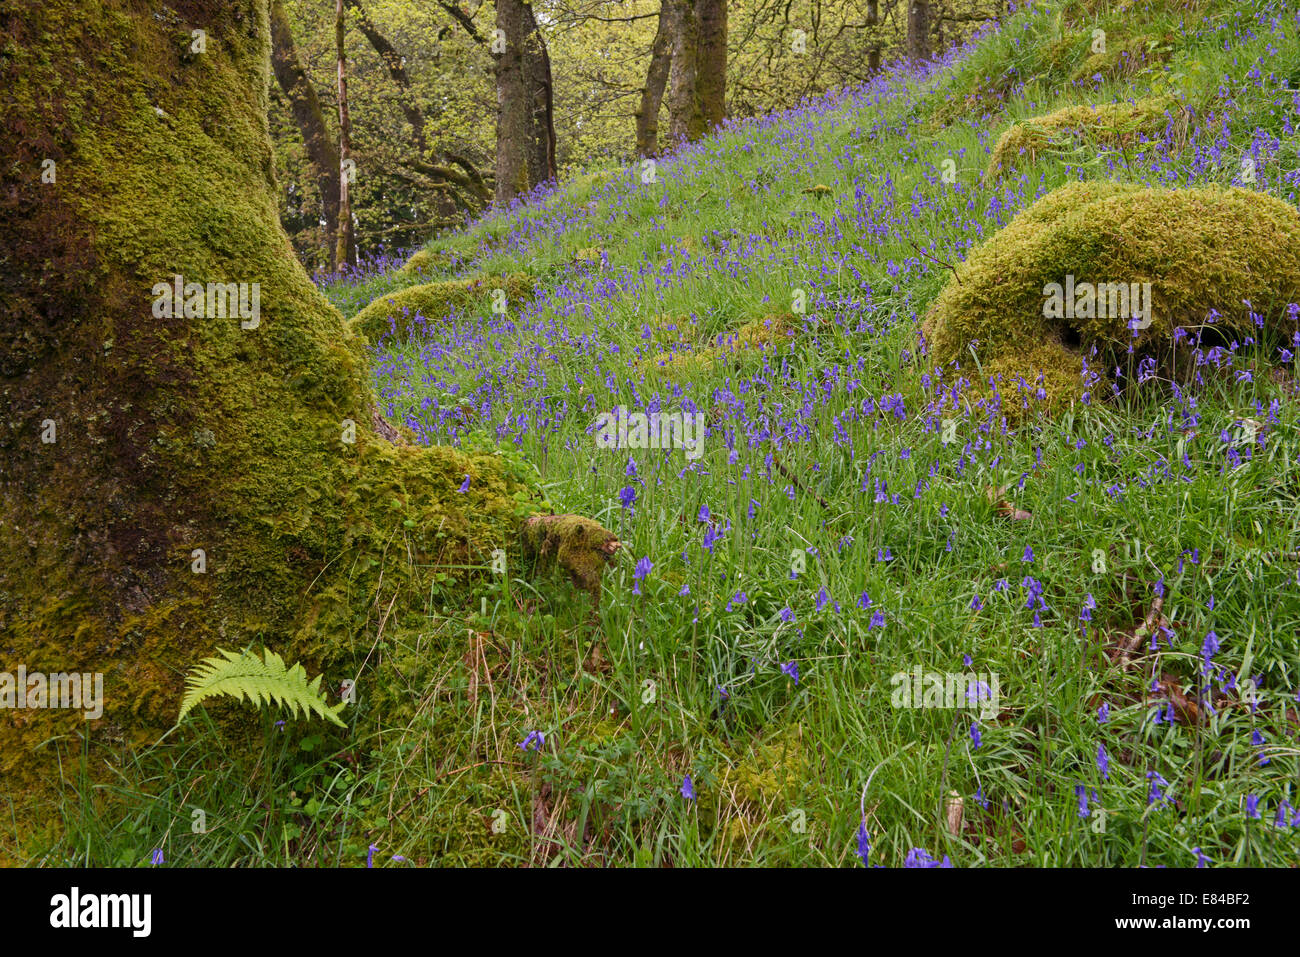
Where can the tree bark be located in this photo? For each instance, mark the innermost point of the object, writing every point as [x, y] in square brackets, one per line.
[652, 94]
[685, 112]
[525, 111]
[346, 255]
[711, 72]
[918, 29]
[180, 478]
[697, 88]
[305, 106]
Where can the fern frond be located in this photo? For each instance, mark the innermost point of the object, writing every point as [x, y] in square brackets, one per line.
[264, 681]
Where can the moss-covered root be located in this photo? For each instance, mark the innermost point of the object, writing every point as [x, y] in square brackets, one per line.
[1109, 124]
[578, 545]
[396, 314]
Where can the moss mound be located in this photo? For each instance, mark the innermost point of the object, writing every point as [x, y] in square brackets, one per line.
[1110, 124]
[1125, 58]
[396, 314]
[1199, 249]
[682, 356]
[425, 263]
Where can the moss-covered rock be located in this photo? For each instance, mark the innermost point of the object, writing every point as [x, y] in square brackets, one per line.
[1109, 124]
[755, 335]
[1199, 249]
[397, 313]
[578, 545]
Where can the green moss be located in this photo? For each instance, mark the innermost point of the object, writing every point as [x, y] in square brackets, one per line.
[426, 263]
[1110, 124]
[1200, 249]
[1125, 58]
[396, 314]
[576, 544]
[760, 788]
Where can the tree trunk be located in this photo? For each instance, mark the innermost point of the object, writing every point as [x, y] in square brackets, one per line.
[181, 476]
[393, 63]
[918, 29]
[652, 94]
[346, 255]
[873, 52]
[698, 86]
[310, 120]
[711, 70]
[525, 112]
[685, 112]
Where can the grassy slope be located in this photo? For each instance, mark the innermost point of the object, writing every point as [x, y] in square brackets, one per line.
[832, 444]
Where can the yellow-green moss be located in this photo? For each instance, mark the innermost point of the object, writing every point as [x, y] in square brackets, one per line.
[755, 335]
[1201, 249]
[760, 788]
[1109, 124]
[396, 314]
[425, 263]
[1125, 58]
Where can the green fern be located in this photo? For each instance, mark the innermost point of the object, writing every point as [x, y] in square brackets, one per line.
[264, 681]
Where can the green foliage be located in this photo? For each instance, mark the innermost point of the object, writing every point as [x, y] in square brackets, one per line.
[264, 681]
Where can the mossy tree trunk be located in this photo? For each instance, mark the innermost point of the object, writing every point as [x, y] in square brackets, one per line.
[177, 479]
[685, 117]
[918, 29]
[525, 117]
[346, 251]
[697, 89]
[711, 74]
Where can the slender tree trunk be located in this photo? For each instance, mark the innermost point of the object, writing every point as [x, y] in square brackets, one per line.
[652, 94]
[180, 475]
[873, 52]
[393, 63]
[346, 255]
[918, 29]
[308, 116]
[525, 124]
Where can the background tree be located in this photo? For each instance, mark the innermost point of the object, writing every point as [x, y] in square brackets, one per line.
[304, 104]
[345, 254]
[433, 64]
[918, 29]
[525, 125]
